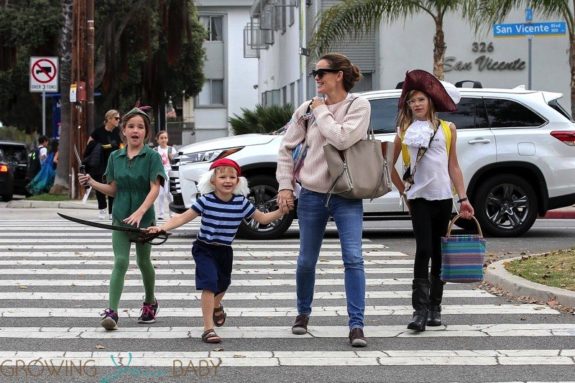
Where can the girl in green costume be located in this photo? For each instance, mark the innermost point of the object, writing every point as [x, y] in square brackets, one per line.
[133, 177]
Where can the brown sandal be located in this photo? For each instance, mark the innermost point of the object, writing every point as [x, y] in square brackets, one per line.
[210, 336]
[219, 316]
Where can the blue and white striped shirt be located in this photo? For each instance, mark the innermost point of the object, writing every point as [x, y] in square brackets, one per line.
[221, 219]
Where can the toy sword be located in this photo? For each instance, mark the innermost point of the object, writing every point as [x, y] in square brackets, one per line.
[142, 236]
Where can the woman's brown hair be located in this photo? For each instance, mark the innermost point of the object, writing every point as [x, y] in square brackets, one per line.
[351, 72]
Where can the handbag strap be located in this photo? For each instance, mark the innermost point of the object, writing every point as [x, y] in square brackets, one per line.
[479, 231]
[420, 153]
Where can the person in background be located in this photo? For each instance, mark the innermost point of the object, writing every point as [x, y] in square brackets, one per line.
[341, 119]
[101, 143]
[133, 176]
[428, 148]
[167, 153]
[36, 157]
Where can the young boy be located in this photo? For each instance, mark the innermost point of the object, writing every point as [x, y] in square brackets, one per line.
[223, 206]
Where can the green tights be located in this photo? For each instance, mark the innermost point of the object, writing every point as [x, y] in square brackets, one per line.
[121, 245]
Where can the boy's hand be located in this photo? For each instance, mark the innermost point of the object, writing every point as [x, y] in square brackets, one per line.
[153, 229]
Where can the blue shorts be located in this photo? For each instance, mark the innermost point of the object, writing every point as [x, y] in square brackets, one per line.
[213, 266]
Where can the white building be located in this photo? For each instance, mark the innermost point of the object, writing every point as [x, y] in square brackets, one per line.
[231, 78]
[280, 30]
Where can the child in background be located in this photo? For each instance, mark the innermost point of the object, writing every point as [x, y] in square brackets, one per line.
[167, 153]
[223, 205]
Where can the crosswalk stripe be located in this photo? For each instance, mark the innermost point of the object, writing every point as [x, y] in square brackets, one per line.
[46, 244]
[85, 296]
[165, 252]
[185, 271]
[191, 282]
[284, 332]
[267, 262]
[264, 312]
[178, 361]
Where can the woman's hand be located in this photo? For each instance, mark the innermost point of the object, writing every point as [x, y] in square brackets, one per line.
[317, 101]
[134, 219]
[466, 210]
[84, 179]
[285, 199]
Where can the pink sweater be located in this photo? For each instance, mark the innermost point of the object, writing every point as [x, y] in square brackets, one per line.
[331, 126]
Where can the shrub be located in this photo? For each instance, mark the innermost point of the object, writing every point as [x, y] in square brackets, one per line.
[264, 119]
[11, 133]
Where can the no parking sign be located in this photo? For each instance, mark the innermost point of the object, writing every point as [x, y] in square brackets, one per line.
[43, 74]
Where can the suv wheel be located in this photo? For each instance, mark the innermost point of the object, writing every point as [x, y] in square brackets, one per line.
[505, 205]
[262, 190]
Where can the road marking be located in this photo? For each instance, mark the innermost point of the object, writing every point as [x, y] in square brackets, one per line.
[184, 271]
[171, 296]
[284, 332]
[165, 251]
[180, 360]
[240, 262]
[264, 312]
[191, 282]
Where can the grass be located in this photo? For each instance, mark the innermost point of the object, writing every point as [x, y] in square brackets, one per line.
[49, 197]
[556, 269]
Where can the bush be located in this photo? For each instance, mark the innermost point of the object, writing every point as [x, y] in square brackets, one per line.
[264, 119]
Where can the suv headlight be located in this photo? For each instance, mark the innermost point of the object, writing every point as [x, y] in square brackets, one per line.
[207, 156]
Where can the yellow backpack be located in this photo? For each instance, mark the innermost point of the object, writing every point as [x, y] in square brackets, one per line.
[446, 134]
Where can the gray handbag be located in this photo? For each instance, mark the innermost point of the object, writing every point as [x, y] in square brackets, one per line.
[360, 171]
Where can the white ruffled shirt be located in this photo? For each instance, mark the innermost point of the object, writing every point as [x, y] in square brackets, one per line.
[418, 134]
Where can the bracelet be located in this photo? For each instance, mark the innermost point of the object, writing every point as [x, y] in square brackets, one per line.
[462, 200]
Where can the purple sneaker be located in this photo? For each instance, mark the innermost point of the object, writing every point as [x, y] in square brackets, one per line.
[148, 312]
[109, 320]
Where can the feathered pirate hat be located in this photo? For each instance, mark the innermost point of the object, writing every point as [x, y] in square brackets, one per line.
[205, 185]
[444, 95]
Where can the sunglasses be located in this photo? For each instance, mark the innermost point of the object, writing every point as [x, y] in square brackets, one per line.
[320, 72]
[116, 118]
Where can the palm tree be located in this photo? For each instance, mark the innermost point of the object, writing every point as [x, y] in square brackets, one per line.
[496, 10]
[362, 16]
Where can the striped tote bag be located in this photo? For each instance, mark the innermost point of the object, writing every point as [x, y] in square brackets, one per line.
[462, 255]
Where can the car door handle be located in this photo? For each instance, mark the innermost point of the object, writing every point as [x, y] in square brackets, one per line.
[479, 141]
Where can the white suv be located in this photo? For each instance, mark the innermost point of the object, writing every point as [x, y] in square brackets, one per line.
[516, 149]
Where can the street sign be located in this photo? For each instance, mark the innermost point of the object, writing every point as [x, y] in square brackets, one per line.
[528, 14]
[527, 29]
[43, 74]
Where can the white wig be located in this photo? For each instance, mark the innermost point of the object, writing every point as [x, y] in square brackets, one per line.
[206, 186]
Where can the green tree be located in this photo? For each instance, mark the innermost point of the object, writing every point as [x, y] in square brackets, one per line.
[491, 11]
[362, 16]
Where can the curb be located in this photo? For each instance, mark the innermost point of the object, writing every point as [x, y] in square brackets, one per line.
[24, 204]
[497, 275]
[560, 214]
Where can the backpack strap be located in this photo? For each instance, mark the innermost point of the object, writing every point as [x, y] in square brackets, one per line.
[446, 133]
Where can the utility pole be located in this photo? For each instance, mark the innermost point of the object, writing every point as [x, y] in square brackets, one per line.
[83, 79]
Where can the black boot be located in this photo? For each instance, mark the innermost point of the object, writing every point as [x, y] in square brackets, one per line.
[435, 297]
[420, 302]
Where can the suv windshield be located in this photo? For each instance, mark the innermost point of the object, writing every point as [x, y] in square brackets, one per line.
[13, 153]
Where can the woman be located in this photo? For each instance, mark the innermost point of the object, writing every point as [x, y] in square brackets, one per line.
[101, 143]
[134, 175]
[428, 148]
[340, 119]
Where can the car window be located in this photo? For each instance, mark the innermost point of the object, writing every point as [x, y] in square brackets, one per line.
[559, 108]
[384, 115]
[470, 114]
[12, 153]
[507, 114]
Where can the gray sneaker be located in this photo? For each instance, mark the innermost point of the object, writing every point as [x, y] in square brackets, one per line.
[109, 320]
[356, 338]
[300, 325]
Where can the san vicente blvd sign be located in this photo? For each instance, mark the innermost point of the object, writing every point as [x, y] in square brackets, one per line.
[530, 29]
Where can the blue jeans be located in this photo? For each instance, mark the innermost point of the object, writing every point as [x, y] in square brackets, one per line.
[312, 218]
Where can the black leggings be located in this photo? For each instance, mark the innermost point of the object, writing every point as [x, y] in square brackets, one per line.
[430, 220]
[101, 197]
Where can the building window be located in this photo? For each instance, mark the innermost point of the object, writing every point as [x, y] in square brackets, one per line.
[292, 93]
[291, 15]
[212, 93]
[284, 95]
[214, 26]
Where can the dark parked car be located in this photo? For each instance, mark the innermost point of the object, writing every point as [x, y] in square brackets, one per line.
[13, 169]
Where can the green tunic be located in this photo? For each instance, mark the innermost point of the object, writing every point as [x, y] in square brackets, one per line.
[133, 177]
